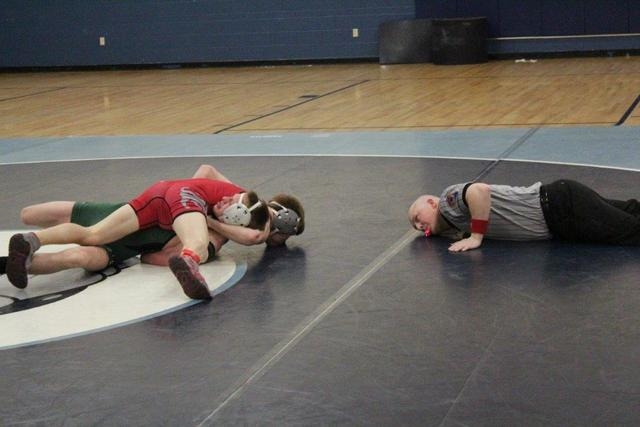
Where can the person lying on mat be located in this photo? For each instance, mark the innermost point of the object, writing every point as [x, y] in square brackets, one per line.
[563, 209]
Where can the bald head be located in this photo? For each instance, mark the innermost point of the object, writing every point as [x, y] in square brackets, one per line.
[423, 213]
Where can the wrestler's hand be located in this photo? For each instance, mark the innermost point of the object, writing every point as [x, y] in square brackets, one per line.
[472, 242]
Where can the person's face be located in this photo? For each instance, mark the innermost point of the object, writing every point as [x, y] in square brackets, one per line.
[225, 202]
[424, 213]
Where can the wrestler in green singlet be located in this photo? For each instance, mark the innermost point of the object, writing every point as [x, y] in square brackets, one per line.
[141, 242]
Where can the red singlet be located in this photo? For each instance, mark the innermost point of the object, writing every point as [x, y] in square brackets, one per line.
[160, 204]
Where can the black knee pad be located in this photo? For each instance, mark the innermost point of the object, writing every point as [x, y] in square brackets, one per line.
[211, 250]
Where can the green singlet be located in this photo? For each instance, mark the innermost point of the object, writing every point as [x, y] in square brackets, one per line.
[141, 242]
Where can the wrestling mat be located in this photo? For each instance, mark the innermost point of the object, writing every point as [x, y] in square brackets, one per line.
[75, 302]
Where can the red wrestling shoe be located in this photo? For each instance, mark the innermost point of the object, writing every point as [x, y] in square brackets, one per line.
[188, 274]
[17, 262]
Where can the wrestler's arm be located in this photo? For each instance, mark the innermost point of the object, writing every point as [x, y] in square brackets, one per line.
[242, 235]
[478, 197]
[174, 247]
[209, 172]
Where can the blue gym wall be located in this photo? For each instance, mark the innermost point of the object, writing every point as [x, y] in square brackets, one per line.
[66, 32]
[61, 33]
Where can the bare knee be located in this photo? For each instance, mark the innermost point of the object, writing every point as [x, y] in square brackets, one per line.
[91, 237]
[91, 259]
[28, 215]
[46, 214]
[76, 259]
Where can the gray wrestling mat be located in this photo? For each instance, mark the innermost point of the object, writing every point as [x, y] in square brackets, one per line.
[359, 321]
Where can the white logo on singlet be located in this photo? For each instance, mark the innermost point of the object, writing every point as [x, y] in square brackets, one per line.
[187, 196]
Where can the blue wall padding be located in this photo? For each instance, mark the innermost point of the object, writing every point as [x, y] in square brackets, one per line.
[51, 33]
[66, 32]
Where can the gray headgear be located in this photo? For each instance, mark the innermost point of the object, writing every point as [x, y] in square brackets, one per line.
[285, 220]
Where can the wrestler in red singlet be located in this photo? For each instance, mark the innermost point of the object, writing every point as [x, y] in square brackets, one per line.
[161, 203]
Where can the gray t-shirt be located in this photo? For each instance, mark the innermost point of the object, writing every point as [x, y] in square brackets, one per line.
[515, 212]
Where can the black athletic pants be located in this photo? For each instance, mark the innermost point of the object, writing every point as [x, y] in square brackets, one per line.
[575, 212]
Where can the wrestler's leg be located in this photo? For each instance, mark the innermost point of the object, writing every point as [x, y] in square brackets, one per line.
[174, 247]
[22, 246]
[47, 214]
[91, 258]
[191, 228]
[120, 223]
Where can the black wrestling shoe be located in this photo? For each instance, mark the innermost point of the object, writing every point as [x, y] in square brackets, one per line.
[3, 265]
[19, 255]
[188, 274]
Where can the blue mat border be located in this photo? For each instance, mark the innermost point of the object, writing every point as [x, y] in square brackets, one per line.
[613, 147]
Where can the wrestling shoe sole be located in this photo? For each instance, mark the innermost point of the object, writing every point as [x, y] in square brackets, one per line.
[19, 251]
[192, 286]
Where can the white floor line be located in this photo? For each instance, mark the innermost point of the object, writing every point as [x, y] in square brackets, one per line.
[304, 327]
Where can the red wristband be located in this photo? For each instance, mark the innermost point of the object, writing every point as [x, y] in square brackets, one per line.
[479, 226]
[191, 254]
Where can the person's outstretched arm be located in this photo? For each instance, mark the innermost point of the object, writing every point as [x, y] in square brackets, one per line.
[478, 197]
[208, 171]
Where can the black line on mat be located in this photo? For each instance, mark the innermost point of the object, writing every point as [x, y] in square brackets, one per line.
[506, 153]
[628, 112]
[291, 106]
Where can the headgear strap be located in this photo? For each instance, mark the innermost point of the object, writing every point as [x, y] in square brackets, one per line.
[239, 213]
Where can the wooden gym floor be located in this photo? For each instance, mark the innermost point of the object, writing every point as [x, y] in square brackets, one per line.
[358, 321]
[318, 98]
